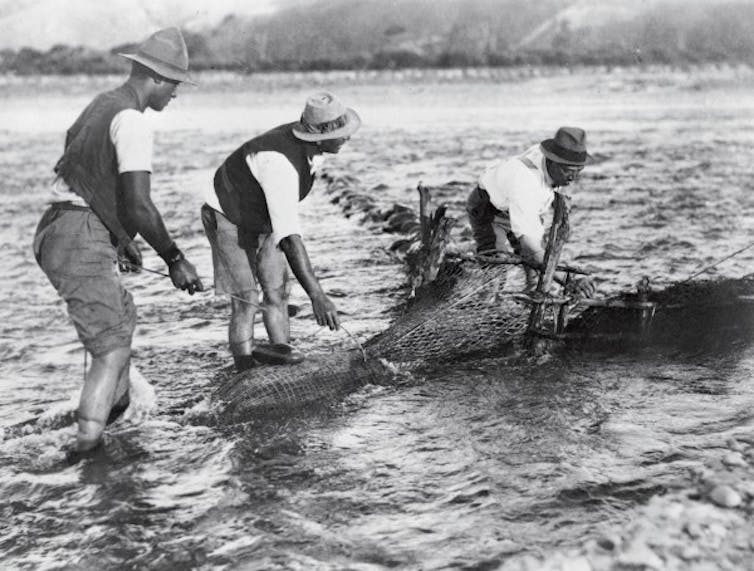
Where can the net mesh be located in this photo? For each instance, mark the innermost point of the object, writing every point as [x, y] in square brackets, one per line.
[690, 314]
[465, 312]
[469, 310]
[266, 390]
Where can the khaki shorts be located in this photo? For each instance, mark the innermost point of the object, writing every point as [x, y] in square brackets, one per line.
[490, 227]
[73, 248]
[237, 271]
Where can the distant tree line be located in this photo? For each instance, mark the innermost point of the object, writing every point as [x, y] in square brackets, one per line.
[62, 60]
[373, 34]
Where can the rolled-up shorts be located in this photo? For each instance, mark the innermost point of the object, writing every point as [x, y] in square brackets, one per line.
[74, 250]
[239, 272]
[490, 227]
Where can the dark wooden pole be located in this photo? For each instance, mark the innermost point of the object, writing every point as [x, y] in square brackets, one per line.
[435, 230]
[556, 239]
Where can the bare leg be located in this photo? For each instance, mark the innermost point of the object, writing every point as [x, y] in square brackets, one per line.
[275, 316]
[271, 273]
[241, 327]
[124, 381]
[98, 395]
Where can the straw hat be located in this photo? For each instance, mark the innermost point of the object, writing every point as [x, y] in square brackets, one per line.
[165, 53]
[325, 117]
[568, 147]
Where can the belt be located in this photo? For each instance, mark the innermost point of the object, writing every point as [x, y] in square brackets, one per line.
[69, 206]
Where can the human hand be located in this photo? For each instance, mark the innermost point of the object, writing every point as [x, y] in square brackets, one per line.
[325, 312]
[582, 287]
[184, 276]
[129, 257]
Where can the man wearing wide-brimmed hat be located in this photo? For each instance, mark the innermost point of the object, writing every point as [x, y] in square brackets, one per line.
[512, 196]
[251, 220]
[101, 200]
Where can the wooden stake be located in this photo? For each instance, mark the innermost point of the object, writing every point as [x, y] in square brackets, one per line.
[556, 239]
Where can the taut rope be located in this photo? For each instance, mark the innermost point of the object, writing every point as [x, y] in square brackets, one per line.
[717, 263]
[247, 301]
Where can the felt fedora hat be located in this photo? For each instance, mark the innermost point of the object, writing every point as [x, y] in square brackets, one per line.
[325, 117]
[567, 147]
[165, 53]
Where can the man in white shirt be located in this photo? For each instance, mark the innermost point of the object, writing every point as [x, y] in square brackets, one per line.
[101, 200]
[252, 224]
[513, 195]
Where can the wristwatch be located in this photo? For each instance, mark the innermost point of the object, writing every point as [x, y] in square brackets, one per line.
[172, 255]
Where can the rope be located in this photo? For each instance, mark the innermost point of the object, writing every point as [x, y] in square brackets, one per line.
[717, 263]
[242, 300]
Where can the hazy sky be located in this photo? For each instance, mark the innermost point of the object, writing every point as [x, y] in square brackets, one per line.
[104, 23]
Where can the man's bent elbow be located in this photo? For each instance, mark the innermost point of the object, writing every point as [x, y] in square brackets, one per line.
[288, 241]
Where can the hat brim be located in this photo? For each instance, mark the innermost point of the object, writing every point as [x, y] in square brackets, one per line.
[547, 147]
[161, 68]
[353, 122]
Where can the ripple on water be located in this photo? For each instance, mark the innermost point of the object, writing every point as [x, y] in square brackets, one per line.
[461, 471]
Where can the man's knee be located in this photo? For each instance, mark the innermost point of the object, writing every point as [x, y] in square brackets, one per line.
[243, 307]
[276, 296]
[113, 359]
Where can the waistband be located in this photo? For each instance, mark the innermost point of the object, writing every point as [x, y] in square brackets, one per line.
[69, 206]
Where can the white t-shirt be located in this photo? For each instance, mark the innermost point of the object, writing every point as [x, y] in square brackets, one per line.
[522, 186]
[132, 135]
[280, 183]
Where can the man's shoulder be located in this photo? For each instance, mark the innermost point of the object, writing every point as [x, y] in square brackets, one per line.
[131, 115]
[270, 157]
[131, 122]
[284, 131]
[515, 169]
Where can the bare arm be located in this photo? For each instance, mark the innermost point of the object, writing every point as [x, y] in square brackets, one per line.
[147, 221]
[324, 309]
[531, 248]
[142, 213]
[533, 252]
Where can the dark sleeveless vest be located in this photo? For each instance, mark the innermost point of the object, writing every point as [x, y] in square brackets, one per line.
[240, 194]
[89, 164]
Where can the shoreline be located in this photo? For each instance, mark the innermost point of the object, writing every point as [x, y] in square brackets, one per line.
[726, 73]
[707, 524]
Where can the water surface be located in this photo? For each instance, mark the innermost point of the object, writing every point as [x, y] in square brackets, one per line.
[463, 467]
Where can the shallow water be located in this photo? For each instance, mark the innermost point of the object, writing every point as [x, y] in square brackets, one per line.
[461, 469]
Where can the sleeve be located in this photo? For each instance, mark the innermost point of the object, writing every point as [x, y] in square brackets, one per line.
[280, 183]
[131, 134]
[494, 181]
[523, 206]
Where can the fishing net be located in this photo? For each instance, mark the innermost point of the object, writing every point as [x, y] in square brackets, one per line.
[472, 309]
[465, 312]
[267, 390]
[689, 314]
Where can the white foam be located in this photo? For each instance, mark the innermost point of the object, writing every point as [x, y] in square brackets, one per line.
[58, 411]
[143, 398]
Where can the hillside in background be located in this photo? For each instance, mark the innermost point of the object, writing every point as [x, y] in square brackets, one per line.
[376, 34]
